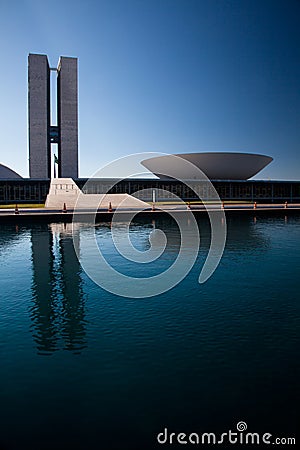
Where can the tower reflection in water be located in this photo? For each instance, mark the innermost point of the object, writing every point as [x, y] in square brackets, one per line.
[57, 311]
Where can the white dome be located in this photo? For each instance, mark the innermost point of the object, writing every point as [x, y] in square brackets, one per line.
[6, 172]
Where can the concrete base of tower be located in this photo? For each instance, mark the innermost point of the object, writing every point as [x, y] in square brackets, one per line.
[65, 194]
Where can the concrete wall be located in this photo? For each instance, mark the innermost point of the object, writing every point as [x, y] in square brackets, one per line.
[67, 103]
[39, 116]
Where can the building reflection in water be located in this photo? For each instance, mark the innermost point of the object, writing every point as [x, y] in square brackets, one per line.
[58, 308]
[242, 234]
[57, 312]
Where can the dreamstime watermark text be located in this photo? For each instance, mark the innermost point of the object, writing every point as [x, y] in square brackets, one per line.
[239, 436]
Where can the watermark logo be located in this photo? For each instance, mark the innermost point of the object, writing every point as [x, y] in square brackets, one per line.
[240, 436]
[241, 426]
[124, 208]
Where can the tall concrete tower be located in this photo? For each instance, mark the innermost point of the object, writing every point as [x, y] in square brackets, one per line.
[67, 113]
[39, 116]
[41, 132]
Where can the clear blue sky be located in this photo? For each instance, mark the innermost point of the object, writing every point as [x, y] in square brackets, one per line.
[162, 75]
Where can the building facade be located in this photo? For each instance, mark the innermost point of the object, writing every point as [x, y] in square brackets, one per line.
[42, 133]
[35, 191]
[39, 116]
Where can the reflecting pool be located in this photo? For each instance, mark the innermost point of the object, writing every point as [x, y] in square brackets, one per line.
[85, 369]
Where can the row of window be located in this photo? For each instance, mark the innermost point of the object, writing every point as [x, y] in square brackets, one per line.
[36, 192]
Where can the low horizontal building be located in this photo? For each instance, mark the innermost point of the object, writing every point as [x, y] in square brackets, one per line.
[26, 190]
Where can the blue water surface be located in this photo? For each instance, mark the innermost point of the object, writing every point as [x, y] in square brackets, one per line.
[85, 369]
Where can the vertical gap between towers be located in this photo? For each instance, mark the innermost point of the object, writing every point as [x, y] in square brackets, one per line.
[53, 115]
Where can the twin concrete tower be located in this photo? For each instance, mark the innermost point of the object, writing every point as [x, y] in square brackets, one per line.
[41, 132]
